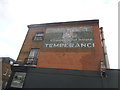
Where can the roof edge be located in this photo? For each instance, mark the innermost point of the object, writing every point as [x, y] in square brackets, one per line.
[94, 21]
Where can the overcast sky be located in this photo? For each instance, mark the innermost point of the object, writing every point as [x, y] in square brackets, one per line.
[15, 15]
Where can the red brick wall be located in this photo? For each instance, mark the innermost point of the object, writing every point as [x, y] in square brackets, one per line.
[64, 58]
[79, 60]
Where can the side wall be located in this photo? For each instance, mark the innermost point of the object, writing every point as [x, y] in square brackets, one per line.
[74, 58]
[64, 58]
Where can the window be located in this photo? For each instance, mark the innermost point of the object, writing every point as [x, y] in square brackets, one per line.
[32, 58]
[39, 36]
[34, 53]
[18, 80]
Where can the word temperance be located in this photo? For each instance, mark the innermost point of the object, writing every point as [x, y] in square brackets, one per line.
[70, 45]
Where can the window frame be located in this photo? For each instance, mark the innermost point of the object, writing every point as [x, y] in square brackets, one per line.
[32, 57]
[39, 36]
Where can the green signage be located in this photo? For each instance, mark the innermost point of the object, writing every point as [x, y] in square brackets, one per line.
[69, 37]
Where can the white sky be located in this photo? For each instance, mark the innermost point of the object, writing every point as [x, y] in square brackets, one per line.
[15, 15]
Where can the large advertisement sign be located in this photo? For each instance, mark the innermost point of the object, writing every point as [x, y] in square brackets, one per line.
[69, 37]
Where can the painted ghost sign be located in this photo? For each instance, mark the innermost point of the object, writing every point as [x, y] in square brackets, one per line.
[69, 37]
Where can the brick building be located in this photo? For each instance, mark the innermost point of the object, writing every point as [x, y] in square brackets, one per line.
[63, 55]
[76, 45]
[6, 63]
